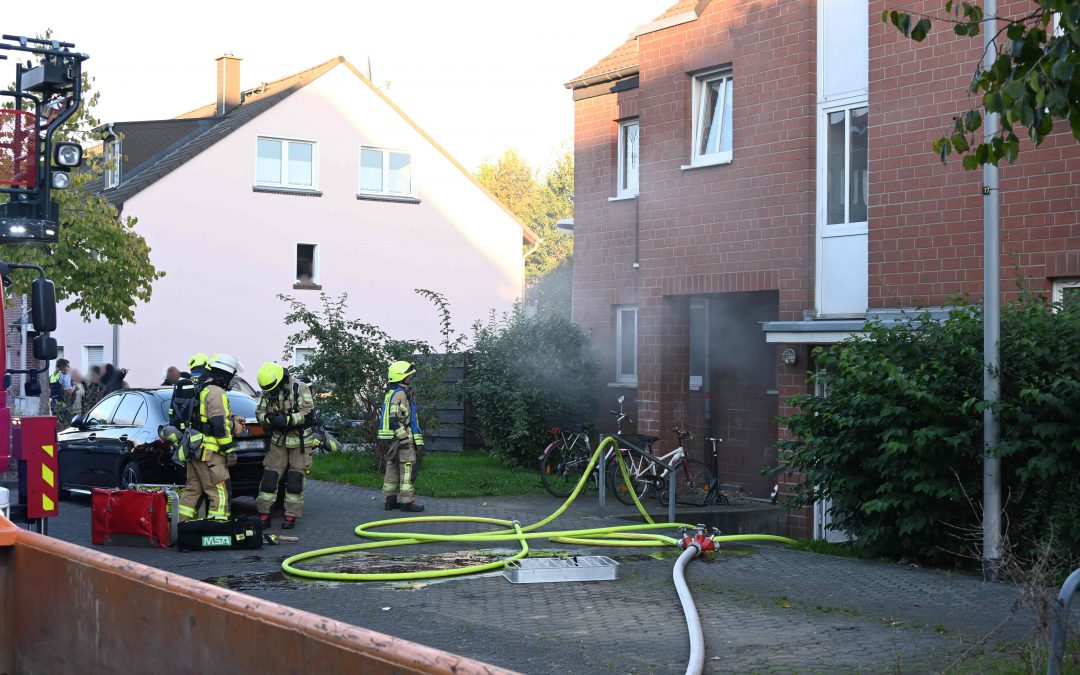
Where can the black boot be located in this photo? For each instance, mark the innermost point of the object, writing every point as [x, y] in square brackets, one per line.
[391, 503]
[264, 521]
[412, 507]
[289, 523]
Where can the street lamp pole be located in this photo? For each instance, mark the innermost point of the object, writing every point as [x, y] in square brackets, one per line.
[992, 536]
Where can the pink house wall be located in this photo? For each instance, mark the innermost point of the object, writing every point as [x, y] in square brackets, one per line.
[228, 251]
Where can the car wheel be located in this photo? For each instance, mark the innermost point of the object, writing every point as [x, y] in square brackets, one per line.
[129, 475]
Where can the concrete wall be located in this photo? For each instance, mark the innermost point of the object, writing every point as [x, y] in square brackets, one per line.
[69, 609]
[228, 251]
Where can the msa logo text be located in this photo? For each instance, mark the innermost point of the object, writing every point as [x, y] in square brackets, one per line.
[216, 541]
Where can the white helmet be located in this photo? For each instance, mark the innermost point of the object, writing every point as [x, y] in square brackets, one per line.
[225, 363]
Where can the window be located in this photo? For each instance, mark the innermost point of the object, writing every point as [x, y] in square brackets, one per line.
[286, 164]
[1067, 291]
[103, 412]
[59, 355]
[112, 163]
[92, 355]
[307, 265]
[385, 172]
[629, 143]
[712, 118]
[626, 345]
[129, 411]
[847, 179]
[301, 355]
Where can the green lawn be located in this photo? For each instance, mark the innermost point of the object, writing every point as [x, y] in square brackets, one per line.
[443, 474]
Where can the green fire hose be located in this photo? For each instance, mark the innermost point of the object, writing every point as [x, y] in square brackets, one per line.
[620, 535]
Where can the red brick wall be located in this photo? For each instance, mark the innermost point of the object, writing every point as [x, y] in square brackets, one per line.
[925, 218]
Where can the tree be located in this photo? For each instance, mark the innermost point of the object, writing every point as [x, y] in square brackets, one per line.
[1034, 80]
[540, 202]
[101, 265]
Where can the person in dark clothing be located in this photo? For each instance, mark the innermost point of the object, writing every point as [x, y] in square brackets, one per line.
[112, 378]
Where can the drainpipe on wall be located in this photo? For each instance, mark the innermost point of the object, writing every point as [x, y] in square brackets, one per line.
[525, 258]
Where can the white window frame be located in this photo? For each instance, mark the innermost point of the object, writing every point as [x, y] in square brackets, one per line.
[1058, 291]
[385, 192]
[700, 80]
[296, 351]
[621, 378]
[628, 191]
[59, 355]
[86, 365]
[846, 228]
[113, 156]
[284, 140]
[315, 280]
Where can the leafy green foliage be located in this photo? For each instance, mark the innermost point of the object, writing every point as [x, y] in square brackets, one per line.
[101, 265]
[521, 368]
[539, 201]
[1034, 79]
[897, 443]
[350, 361]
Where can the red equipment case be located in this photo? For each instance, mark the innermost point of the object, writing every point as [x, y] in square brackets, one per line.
[129, 518]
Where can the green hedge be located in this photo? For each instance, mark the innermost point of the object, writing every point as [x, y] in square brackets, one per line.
[522, 367]
[897, 443]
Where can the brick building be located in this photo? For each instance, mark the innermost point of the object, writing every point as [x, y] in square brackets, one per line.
[755, 178]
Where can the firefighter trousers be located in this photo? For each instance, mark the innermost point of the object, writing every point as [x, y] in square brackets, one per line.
[292, 464]
[206, 479]
[400, 465]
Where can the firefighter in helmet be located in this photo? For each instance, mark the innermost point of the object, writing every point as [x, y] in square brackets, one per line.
[287, 410]
[399, 424]
[197, 366]
[207, 472]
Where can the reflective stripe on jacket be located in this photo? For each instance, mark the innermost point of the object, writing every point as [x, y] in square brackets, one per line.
[294, 401]
[398, 419]
[214, 419]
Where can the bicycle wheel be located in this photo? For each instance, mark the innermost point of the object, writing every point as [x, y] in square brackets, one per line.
[640, 477]
[561, 468]
[692, 481]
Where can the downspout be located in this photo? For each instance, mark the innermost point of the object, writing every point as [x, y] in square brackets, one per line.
[525, 258]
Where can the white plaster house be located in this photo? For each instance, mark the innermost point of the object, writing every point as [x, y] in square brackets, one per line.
[316, 174]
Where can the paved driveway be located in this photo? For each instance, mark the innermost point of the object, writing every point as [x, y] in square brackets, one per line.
[765, 608]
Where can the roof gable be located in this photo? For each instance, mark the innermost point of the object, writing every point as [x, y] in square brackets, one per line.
[623, 61]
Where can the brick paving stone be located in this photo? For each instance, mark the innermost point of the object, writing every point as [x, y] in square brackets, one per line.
[764, 608]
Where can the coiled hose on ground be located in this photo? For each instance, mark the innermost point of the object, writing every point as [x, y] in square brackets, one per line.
[619, 535]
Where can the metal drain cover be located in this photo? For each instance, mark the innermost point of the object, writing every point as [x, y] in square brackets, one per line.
[548, 570]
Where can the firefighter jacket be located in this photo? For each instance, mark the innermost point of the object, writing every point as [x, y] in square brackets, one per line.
[398, 420]
[215, 420]
[291, 400]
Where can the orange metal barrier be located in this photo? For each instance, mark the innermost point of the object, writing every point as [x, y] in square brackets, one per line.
[69, 609]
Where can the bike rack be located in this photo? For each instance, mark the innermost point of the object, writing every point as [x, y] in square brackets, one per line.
[653, 458]
[1059, 624]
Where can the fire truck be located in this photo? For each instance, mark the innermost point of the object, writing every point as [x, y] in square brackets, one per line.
[33, 166]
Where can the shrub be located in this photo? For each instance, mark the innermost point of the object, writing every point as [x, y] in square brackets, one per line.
[897, 443]
[349, 365]
[522, 367]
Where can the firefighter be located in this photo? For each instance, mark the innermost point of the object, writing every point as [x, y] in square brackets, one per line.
[207, 472]
[399, 424]
[288, 411]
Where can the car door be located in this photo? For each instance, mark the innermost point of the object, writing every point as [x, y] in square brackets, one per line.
[113, 445]
[77, 456]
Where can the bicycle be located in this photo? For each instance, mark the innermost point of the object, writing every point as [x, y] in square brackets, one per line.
[564, 459]
[648, 472]
[716, 497]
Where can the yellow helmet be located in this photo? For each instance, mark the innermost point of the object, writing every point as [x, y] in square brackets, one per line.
[197, 360]
[399, 370]
[270, 376]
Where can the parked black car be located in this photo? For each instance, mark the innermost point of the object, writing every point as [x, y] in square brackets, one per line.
[116, 444]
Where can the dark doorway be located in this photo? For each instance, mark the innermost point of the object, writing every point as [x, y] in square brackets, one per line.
[734, 374]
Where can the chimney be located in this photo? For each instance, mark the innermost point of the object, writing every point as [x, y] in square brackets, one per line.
[228, 84]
